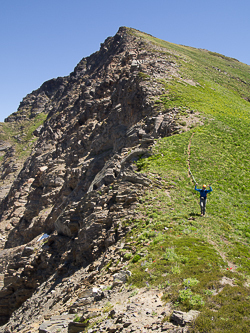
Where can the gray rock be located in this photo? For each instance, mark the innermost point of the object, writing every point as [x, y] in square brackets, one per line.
[38, 130]
[79, 304]
[184, 318]
[91, 292]
[110, 240]
[120, 278]
[56, 324]
[135, 154]
[4, 146]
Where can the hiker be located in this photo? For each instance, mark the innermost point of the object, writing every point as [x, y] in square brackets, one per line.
[203, 197]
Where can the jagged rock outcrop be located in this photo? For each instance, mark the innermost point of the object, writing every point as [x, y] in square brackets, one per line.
[39, 101]
[97, 111]
[79, 184]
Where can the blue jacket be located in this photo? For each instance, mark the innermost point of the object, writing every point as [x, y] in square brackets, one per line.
[203, 193]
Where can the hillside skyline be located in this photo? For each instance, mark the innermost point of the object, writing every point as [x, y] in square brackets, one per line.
[41, 41]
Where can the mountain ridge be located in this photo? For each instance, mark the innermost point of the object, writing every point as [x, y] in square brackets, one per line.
[81, 183]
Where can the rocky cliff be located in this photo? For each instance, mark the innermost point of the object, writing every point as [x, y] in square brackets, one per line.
[65, 208]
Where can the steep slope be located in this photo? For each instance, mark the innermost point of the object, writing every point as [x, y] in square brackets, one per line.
[80, 187]
[96, 116]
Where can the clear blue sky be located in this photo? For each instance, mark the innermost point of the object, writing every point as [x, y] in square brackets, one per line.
[42, 39]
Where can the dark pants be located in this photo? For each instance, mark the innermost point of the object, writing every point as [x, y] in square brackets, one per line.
[203, 202]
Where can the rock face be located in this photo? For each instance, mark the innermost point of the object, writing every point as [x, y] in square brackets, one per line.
[79, 184]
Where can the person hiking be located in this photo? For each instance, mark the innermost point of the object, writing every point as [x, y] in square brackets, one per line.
[203, 197]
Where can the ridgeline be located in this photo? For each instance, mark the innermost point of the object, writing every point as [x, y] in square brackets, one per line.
[100, 224]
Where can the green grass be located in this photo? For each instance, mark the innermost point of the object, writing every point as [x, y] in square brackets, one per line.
[204, 66]
[226, 312]
[177, 243]
[143, 76]
[10, 131]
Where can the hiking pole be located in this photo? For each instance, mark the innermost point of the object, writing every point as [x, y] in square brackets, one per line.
[192, 175]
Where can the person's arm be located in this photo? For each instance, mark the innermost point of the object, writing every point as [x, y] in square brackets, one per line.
[196, 189]
[210, 190]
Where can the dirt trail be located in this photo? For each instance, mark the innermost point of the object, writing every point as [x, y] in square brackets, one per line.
[142, 308]
[231, 266]
[189, 154]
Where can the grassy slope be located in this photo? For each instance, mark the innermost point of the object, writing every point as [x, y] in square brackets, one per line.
[24, 128]
[174, 242]
[20, 136]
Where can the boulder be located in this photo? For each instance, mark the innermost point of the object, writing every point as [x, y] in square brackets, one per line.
[120, 278]
[184, 318]
[56, 324]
